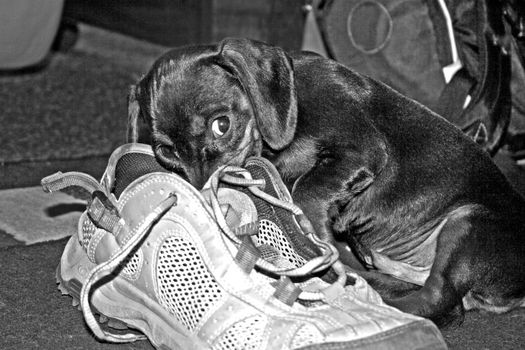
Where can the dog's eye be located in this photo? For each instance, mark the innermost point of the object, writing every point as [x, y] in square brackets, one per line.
[220, 126]
[166, 151]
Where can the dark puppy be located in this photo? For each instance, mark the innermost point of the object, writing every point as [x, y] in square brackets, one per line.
[373, 170]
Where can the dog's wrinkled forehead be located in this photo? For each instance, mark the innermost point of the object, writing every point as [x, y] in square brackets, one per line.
[182, 88]
[187, 83]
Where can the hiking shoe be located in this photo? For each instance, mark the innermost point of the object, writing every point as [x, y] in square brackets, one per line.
[150, 253]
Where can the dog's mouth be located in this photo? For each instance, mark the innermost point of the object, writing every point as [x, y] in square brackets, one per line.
[195, 175]
[170, 163]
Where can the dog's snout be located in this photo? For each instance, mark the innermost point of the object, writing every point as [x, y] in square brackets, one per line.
[193, 174]
[196, 177]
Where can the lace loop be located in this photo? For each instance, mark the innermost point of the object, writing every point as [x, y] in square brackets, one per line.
[237, 176]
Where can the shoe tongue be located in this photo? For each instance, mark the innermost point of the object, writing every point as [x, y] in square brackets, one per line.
[279, 224]
[130, 167]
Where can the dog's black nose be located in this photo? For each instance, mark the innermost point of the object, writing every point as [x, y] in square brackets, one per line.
[195, 176]
[199, 182]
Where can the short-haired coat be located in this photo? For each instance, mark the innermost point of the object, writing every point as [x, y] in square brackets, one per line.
[377, 173]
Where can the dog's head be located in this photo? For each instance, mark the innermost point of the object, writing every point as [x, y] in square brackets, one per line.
[207, 106]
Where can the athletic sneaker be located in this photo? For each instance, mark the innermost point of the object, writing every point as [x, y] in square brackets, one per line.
[196, 271]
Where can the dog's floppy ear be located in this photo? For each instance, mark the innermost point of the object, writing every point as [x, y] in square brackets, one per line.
[266, 74]
[137, 128]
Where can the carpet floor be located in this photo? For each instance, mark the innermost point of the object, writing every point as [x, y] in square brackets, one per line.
[34, 314]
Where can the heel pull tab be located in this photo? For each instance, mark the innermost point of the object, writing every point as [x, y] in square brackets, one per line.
[104, 214]
[59, 181]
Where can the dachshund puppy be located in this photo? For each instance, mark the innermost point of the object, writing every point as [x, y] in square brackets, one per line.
[435, 222]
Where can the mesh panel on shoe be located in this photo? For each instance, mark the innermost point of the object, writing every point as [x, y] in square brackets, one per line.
[271, 234]
[281, 217]
[132, 166]
[307, 335]
[133, 265]
[289, 230]
[185, 286]
[87, 231]
[246, 334]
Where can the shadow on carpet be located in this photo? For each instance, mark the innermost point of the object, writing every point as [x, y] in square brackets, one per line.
[34, 314]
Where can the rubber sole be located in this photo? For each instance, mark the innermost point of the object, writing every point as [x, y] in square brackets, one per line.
[72, 288]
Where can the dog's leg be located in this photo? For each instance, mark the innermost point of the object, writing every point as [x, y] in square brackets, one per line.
[316, 210]
[320, 193]
[440, 297]
[477, 256]
[388, 286]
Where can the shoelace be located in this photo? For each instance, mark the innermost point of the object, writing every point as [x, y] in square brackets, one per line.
[59, 181]
[106, 268]
[329, 257]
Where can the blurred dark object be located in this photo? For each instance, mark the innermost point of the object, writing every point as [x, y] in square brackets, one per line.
[516, 146]
[514, 11]
[27, 29]
[181, 22]
[66, 37]
[454, 56]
